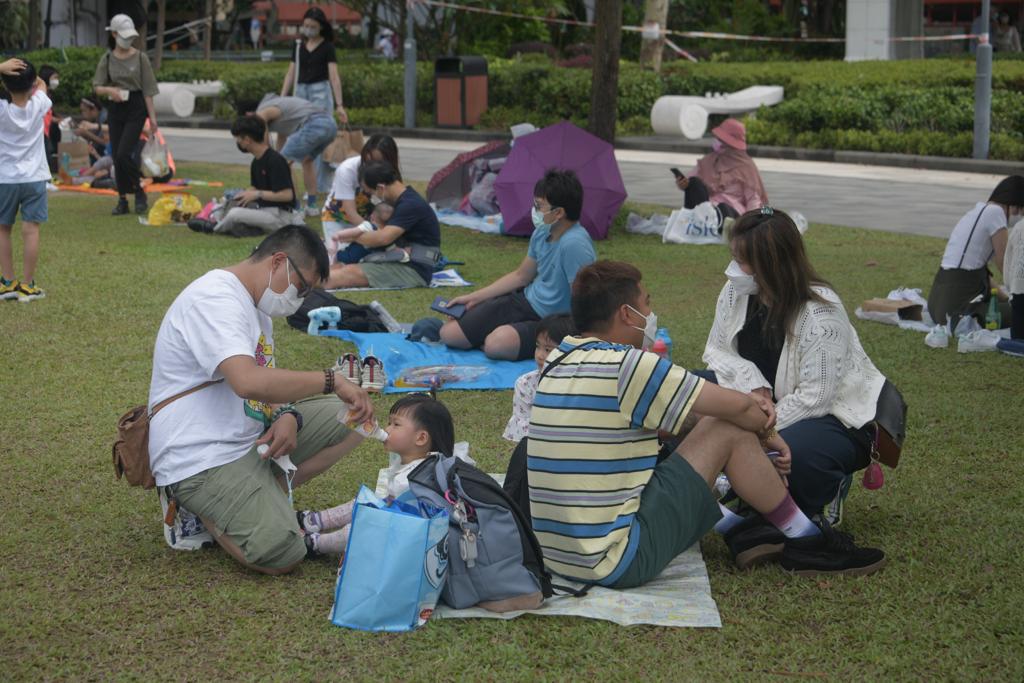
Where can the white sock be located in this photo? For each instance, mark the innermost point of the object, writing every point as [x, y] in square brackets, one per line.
[728, 521]
[791, 521]
[333, 543]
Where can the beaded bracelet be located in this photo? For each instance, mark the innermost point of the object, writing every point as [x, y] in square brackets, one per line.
[291, 409]
[328, 381]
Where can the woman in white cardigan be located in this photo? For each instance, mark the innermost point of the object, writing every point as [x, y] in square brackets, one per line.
[780, 331]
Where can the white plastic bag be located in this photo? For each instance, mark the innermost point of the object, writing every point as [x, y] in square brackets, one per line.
[699, 225]
[154, 157]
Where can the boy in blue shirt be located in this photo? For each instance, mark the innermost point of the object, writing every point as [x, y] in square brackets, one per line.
[502, 317]
[23, 174]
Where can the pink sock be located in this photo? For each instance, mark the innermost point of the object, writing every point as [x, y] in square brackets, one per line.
[333, 543]
[789, 519]
[336, 517]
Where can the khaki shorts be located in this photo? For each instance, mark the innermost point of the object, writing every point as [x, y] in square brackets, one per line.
[244, 499]
[398, 275]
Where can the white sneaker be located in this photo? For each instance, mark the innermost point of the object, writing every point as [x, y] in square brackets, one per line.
[938, 337]
[979, 340]
[187, 532]
[350, 368]
[312, 211]
[373, 375]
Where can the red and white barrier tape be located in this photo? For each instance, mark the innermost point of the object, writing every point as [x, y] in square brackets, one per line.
[711, 35]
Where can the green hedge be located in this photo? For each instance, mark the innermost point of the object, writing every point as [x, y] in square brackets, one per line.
[914, 107]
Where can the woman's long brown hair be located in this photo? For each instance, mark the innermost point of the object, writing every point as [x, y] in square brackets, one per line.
[770, 243]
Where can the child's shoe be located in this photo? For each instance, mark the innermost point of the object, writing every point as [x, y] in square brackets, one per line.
[350, 368]
[373, 375]
[29, 292]
[9, 289]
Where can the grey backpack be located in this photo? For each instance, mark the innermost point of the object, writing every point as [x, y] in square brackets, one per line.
[494, 559]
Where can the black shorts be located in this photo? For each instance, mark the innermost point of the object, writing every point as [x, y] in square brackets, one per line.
[508, 309]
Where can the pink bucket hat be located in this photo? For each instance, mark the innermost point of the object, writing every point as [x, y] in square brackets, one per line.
[732, 133]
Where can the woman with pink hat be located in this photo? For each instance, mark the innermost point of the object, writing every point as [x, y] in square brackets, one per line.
[727, 176]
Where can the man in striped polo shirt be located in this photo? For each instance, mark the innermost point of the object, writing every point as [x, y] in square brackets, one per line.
[606, 509]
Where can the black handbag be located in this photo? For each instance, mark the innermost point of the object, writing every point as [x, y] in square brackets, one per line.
[890, 426]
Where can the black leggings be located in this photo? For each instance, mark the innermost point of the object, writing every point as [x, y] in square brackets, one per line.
[696, 192]
[1017, 317]
[126, 121]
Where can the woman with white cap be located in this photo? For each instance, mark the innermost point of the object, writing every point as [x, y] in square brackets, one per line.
[125, 76]
[727, 176]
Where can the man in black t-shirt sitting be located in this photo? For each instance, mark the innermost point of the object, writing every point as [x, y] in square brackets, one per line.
[404, 252]
[270, 203]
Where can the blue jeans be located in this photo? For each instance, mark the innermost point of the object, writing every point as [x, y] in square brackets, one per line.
[320, 94]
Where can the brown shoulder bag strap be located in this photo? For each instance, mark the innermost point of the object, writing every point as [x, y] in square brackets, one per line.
[167, 401]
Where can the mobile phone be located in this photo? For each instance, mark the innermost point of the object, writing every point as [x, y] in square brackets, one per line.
[441, 306]
[677, 173]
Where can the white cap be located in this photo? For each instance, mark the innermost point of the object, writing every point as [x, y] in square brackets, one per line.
[122, 25]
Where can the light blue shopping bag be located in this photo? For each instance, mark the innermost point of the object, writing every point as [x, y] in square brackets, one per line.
[395, 565]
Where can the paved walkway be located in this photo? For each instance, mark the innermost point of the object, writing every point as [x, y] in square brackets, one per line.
[902, 200]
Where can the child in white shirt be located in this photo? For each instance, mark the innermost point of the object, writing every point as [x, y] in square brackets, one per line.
[550, 333]
[418, 426]
[23, 175]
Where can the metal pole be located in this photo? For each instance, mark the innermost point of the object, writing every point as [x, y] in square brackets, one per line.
[208, 35]
[409, 52]
[161, 26]
[983, 87]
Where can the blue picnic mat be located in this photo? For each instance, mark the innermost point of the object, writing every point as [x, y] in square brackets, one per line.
[400, 355]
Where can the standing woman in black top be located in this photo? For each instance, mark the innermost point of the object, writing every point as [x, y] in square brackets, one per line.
[126, 69]
[318, 82]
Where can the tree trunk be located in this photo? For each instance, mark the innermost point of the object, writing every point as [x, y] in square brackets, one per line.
[161, 25]
[650, 50]
[208, 36]
[33, 24]
[604, 90]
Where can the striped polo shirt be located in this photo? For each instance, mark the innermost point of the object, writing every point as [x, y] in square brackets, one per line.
[593, 444]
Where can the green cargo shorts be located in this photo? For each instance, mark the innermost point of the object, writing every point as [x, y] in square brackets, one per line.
[244, 499]
[676, 510]
[399, 275]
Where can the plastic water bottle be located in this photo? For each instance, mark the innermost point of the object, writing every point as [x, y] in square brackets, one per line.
[65, 161]
[662, 344]
[993, 319]
[370, 430]
[389, 321]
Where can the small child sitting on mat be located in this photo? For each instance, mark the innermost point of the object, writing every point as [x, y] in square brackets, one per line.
[550, 333]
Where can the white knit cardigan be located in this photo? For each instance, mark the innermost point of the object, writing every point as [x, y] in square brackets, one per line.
[823, 369]
[1013, 261]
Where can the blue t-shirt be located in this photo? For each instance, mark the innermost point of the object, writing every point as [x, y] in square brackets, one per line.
[419, 221]
[557, 264]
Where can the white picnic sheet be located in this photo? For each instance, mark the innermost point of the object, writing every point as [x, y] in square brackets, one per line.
[680, 596]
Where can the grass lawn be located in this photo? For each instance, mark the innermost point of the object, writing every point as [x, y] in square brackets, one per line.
[89, 590]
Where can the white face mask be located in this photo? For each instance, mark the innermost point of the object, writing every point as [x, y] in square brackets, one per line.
[309, 32]
[375, 200]
[650, 328]
[280, 304]
[743, 283]
[54, 82]
[537, 216]
[124, 43]
[716, 145]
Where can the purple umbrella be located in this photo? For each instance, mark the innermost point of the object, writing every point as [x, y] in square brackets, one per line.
[562, 146]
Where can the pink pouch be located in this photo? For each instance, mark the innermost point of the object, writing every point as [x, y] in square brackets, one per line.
[873, 479]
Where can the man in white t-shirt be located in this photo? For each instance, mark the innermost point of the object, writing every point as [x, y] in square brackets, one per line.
[217, 336]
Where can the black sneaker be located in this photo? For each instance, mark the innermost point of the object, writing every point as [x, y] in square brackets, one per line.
[753, 542]
[141, 203]
[121, 208]
[200, 225]
[831, 552]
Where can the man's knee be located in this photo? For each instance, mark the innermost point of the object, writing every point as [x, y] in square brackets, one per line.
[276, 551]
[503, 342]
[452, 335]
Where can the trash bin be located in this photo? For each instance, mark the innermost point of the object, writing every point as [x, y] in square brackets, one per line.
[460, 91]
